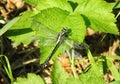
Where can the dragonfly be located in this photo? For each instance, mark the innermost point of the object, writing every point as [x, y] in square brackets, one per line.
[50, 38]
[65, 32]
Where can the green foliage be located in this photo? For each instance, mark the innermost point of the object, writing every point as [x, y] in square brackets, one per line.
[94, 65]
[115, 82]
[91, 78]
[62, 4]
[97, 15]
[8, 26]
[32, 2]
[5, 63]
[56, 14]
[58, 75]
[31, 79]
[93, 73]
[113, 69]
[45, 23]
[22, 31]
[74, 81]
[117, 4]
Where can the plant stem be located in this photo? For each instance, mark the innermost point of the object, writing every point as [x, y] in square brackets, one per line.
[117, 15]
[7, 67]
[71, 56]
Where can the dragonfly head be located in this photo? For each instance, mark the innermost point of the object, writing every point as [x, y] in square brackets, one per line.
[66, 31]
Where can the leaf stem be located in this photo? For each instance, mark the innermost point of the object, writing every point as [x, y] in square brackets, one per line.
[71, 56]
[117, 15]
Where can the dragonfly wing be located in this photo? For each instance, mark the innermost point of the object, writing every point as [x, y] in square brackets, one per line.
[66, 45]
[43, 30]
[46, 38]
[71, 46]
[79, 50]
[45, 41]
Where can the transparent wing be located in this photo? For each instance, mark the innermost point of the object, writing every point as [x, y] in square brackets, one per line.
[43, 30]
[46, 38]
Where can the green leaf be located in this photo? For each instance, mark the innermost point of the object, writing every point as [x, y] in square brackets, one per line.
[113, 57]
[77, 25]
[24, 21]
[116, 4]
[97, 15]
[31, 79]
[53, 18]
[21, 31]
[101, 66]
[31, 2]
[113, 70]
[115, 82]
[58, 74]
[95, 72]
[8, 25]
[73, 81]
[91, 78]
[94, 65]
[63, 4]
[56, 19]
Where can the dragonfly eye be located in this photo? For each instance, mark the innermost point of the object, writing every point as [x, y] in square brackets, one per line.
[66, 31]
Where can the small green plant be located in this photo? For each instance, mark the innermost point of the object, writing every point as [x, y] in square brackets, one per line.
[6, 65]
[31, 79]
